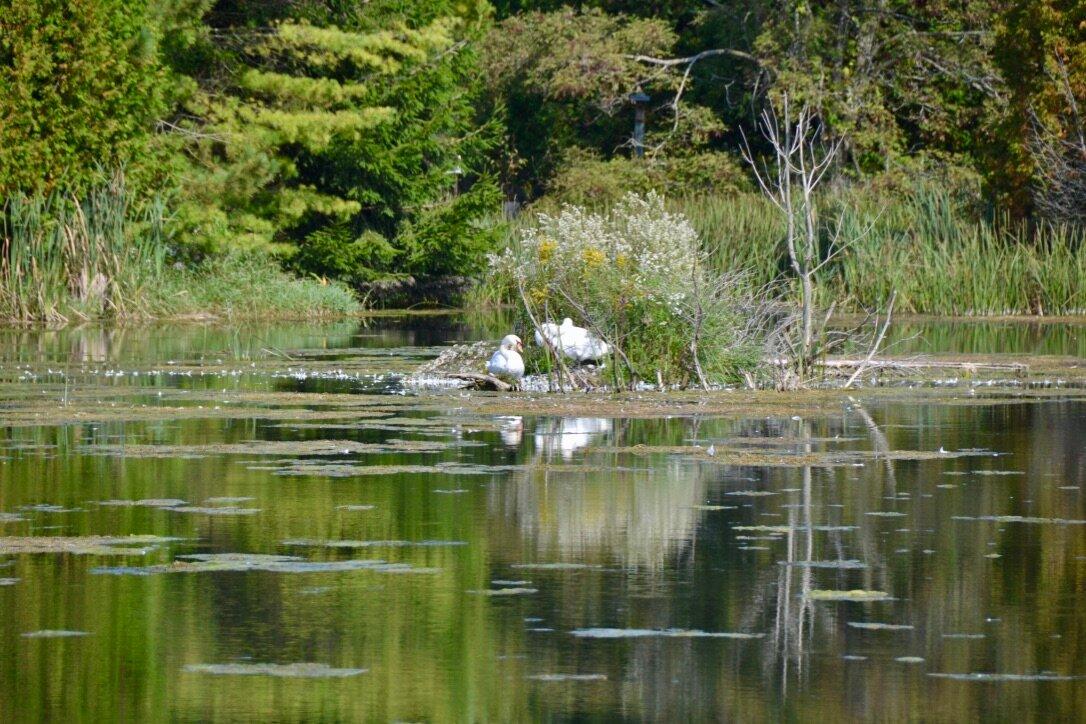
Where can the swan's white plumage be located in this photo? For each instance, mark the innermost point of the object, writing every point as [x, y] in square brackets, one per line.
[576, 343]
[506, 363]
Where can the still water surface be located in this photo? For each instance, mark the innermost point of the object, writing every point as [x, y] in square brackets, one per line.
[430, 563]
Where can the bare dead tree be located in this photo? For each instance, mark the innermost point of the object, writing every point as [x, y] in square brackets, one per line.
[800, 159]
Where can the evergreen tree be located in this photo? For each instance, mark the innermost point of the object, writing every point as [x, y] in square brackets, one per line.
[336, 144]
[81, 87]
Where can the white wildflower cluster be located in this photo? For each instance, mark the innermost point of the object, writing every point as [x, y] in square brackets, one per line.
[650, 250]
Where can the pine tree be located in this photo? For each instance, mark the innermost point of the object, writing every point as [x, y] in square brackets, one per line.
[336, 145]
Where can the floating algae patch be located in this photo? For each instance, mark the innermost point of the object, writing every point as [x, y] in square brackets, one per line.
[567, 677]
[287, 671]
[270, 563]
[751, 457]
[996, 678]
[843, 564]
[308, 542]
[556, 566]
[854, 595]
[91, 545]
[342, 470]
[874, 626]
[518, 591]
[1020, 519]
[782, 529]
[678, 633]
[271, 447]
[54, 634]
[144, 503]
[223, 510]
[50, 508]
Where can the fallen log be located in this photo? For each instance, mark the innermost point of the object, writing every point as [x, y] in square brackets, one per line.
[481, 382]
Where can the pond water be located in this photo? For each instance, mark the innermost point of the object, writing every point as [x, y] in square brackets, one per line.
[316, 541]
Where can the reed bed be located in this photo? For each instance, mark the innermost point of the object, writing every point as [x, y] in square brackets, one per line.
[64, 258]
[929, 246]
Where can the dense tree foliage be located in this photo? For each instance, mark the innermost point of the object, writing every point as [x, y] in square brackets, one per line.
[368, 139]
[81, 87]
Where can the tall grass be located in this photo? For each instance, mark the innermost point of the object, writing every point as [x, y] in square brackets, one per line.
[249, 286]
[63, 257]
[928, 246]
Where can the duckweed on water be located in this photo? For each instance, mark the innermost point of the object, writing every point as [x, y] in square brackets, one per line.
[306, 542]
[995, 678]
[271, 447]
[92, 545]
[555, 566]
[224, 510]
[54, 634]
[782, 529]
[634, 633]
[145, 503]
[567, 677]
[291, 671]
[854, 595]
[1019, 519]
[234, 562]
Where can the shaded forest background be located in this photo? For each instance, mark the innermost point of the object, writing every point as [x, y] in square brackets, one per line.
[375, 141]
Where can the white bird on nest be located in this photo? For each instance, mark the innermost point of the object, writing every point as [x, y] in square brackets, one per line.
[506, 363]
[576, 343]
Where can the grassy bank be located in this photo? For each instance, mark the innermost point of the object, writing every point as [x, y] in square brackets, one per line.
[106, 255]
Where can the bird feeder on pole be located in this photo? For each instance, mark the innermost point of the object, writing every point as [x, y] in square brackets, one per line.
[640, 103]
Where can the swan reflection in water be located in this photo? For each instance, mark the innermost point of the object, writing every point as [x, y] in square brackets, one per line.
[567, 435]
[511, 430]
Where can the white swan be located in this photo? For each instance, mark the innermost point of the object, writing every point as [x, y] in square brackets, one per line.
[506, 363]
[576, 343]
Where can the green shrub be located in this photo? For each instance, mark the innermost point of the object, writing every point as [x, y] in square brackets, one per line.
[587, 179]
